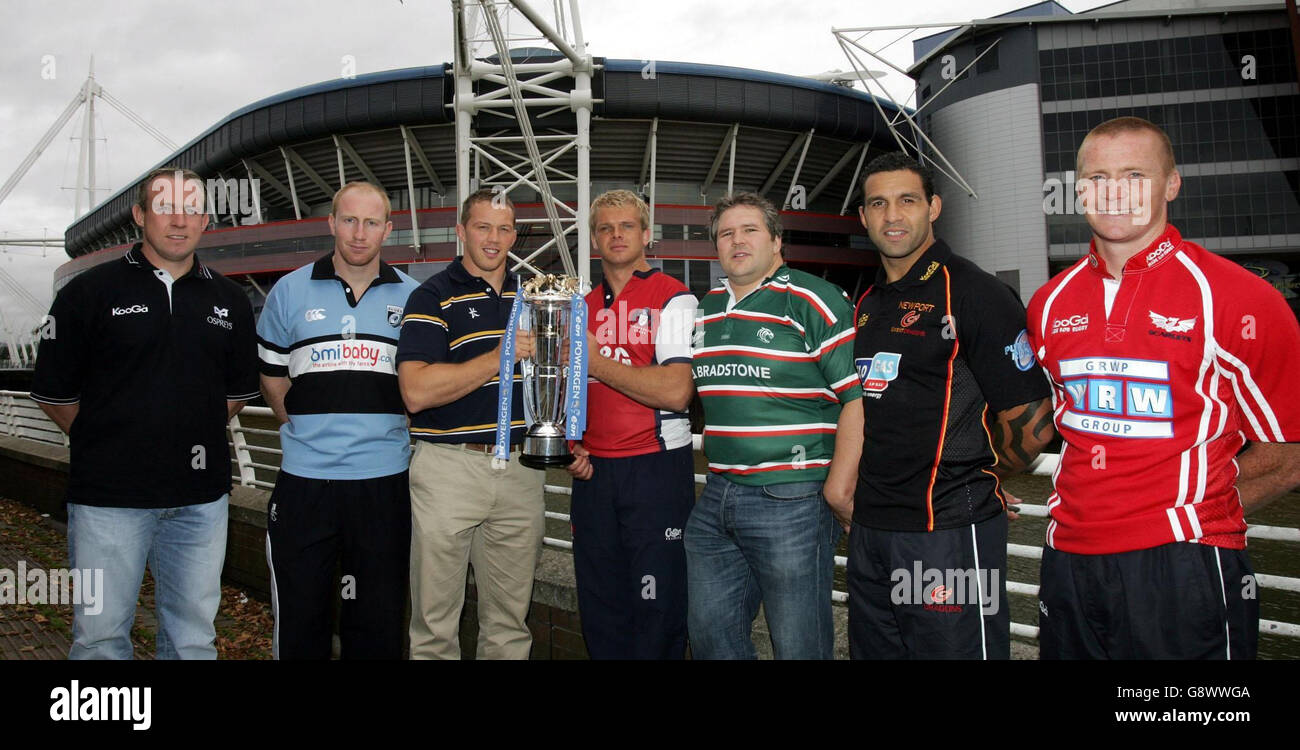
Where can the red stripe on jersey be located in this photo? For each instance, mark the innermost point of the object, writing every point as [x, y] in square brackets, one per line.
[748, 353]
[816, 303]
[947, 401]
[759, 469]
[756, 318]
[769, 394]
[845, 340]
[770, 433]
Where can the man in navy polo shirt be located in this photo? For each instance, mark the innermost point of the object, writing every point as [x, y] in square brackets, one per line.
[152, 355]
[327, 341]
[466, 506]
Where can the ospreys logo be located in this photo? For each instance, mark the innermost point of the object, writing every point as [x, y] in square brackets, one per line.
[394, 315]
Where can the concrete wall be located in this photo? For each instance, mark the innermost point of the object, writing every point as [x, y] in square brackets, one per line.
[1005, 229]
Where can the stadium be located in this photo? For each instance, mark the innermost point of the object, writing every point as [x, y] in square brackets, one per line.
[681, 134]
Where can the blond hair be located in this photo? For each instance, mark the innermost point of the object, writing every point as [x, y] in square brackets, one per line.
[362, 184]
[620, 199]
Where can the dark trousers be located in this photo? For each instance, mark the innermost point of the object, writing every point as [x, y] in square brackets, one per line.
[1175, 601]
[319, 528]
[628, 555]
[929, 595]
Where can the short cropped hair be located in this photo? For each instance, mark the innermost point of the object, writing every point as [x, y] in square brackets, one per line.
[895, 162]
[771, 216]
[495, 197]
[620, 199]
[142, 197]
[362, 184]
[1120, 125]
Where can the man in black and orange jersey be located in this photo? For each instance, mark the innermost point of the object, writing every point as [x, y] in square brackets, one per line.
[634, 482]
[953, 400]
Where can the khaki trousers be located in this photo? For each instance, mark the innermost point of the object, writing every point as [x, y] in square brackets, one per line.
[467, 509]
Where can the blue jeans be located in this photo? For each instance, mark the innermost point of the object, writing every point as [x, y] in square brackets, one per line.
[185, 548]
[772, 545]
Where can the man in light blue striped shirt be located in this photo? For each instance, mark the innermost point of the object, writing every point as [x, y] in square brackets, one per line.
[327, 340]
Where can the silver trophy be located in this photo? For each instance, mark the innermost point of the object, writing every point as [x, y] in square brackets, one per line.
[546, 374]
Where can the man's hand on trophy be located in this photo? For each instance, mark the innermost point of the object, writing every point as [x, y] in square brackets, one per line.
[581, 466]
[524, 343]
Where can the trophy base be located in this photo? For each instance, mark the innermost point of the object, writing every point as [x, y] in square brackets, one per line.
[545, 452]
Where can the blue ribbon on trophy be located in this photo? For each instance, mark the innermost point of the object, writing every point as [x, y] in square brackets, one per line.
[577, 410]
[506, 377]
[555, 385]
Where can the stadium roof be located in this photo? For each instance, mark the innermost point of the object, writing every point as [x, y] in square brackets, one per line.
[695, 103]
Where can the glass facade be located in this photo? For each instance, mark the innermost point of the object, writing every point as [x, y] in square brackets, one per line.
[1175, 64]
[1230, 105]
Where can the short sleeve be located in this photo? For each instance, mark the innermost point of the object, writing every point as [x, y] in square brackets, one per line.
[829, 334]
[62, 356]
[995, 342]
[424, 331]
[241, 373]
[676, 324]
[1259, 351]
[274, 341]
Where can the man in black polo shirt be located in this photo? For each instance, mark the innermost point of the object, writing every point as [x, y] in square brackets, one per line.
[466, 506]
[948, 378]
[152, 356]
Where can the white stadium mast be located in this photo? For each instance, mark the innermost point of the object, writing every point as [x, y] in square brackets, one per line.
[86, 95]
[506, 159]
[18, 338]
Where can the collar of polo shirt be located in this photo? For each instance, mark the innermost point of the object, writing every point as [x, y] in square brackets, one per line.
[135, 257]
[924, 269]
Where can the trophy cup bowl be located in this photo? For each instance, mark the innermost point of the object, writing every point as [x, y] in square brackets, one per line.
[546, 374]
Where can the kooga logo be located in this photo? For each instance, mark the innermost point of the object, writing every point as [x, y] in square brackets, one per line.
[130, 310]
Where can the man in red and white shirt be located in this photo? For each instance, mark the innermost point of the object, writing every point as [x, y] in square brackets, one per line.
[634, 477]
[1165, 360]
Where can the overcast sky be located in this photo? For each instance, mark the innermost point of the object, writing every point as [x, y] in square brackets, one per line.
[185, 66]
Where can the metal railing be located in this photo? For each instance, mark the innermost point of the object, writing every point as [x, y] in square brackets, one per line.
[21, 417]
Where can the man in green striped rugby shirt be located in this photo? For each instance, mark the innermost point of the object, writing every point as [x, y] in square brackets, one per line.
[773, 363]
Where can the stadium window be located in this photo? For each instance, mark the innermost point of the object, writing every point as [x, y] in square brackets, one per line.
[989, 62]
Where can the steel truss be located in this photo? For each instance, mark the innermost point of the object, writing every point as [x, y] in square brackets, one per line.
[525, 92]
[903, 126]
